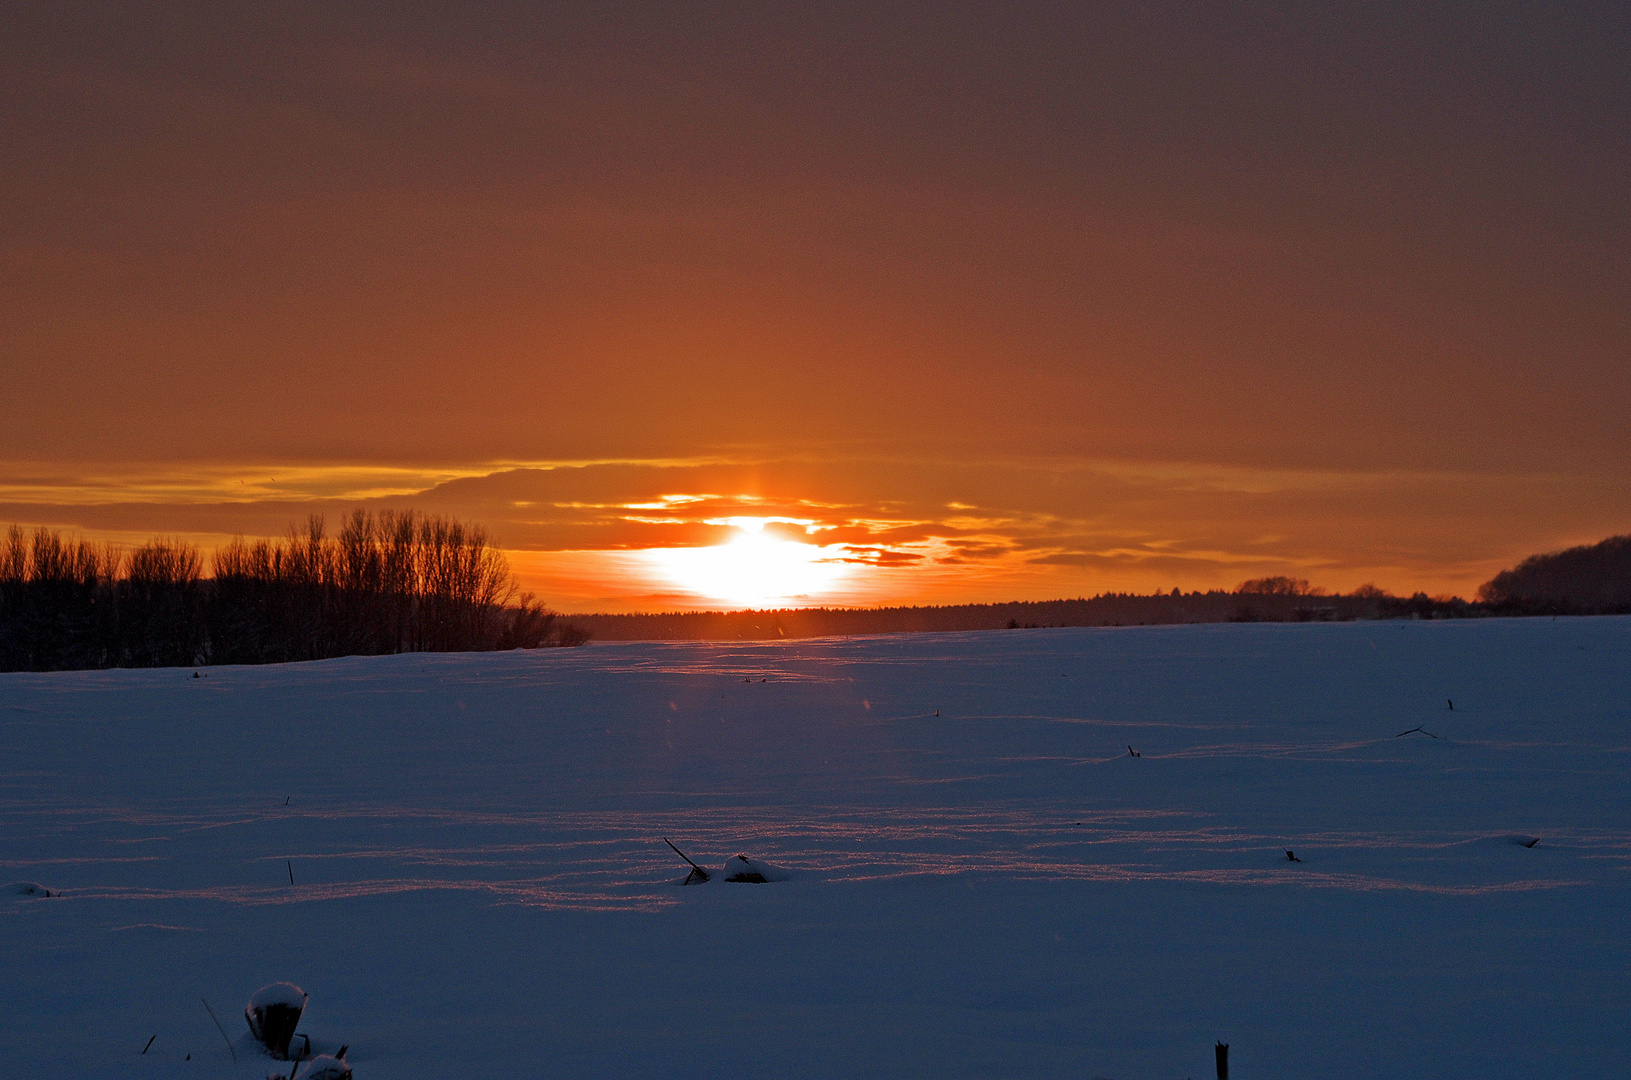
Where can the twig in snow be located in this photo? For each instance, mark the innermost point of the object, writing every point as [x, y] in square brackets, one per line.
[290, 865]
[222, 1030]
[696, 871]
[1133, 753]
[149, 1045]
[1413, 730]
[1291, 856]
[1452, 704]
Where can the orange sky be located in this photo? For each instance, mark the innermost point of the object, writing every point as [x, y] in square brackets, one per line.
[997, 304]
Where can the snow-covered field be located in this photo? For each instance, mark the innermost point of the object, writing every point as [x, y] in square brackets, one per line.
[481, 889]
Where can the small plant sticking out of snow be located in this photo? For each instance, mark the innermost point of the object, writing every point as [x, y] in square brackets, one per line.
[272, 1014]
[698, 875]
[738, 868]
[1291, 856]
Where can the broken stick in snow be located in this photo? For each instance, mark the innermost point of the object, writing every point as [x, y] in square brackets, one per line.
[696, 871]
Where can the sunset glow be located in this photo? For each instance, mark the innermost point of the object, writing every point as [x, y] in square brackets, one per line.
[643, 429]
[964, 305]
[754, 569]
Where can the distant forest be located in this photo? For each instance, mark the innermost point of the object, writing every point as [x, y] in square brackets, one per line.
[402, 582]
[407, 582]
[1276, 599]
[1594, 580]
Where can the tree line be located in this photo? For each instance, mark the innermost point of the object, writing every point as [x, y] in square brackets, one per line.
[1274, 599]
[1588, 580]
[1592, 579]
[395, 582]
[408, 582]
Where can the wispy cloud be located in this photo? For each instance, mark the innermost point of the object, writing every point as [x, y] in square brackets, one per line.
[911, 530]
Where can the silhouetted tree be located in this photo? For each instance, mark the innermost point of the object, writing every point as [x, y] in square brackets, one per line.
[55, 605]
[399, 582]
[159, 607]
[1279, 586]
[1590, 579]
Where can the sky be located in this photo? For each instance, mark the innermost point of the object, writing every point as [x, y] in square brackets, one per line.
[724, 305]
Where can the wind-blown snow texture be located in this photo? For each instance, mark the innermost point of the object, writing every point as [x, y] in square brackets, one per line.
[1001, 890]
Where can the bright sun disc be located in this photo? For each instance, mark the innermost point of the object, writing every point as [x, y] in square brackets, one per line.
[753, 569]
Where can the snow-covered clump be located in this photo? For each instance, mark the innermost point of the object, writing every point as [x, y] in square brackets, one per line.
[288, 995]
[273, 1013]
[740, 868]
[324, 1067]
[26, 890]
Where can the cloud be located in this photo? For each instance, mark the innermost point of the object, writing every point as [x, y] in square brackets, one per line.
[913, 529]
[881, 556]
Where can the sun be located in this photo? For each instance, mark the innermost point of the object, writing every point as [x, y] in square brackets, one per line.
[754, 569]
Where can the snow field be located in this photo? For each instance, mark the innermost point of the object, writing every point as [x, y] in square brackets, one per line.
[480, 888]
